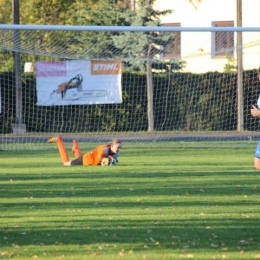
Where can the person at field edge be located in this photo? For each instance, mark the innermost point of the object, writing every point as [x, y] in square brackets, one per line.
[93, 157]
[255, 112]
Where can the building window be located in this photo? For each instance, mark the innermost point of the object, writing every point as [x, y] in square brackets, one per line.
[223, 42]
[173, 48]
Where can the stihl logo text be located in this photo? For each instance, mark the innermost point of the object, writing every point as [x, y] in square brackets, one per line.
[106, 67]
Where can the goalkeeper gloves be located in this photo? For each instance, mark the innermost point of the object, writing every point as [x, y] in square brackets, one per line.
[113, 161]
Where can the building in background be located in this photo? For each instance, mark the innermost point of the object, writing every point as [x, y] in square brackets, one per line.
[211, 51]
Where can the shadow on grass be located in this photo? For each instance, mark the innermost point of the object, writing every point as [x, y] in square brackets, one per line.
[110, 184]
[169, 207]
[204, 234]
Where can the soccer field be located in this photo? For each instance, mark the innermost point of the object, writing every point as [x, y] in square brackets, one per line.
[167, 200]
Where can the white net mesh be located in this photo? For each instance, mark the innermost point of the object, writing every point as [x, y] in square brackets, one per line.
[161, 98]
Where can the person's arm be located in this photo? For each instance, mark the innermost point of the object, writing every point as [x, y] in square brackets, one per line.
[116, 155]
[255, 112]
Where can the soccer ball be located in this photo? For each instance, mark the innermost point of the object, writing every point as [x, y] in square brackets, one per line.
[106, 161]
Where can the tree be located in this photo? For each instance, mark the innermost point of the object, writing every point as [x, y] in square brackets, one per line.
[68, 12]
[108, 13]
[139, 49]
[5, 12]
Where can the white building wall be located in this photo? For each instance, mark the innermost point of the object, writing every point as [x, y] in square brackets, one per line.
[196, 46]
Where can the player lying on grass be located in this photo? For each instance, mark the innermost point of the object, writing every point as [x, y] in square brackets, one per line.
[255, 112]
[94, 157]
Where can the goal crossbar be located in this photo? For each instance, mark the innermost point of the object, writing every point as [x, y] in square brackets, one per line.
[127, 28]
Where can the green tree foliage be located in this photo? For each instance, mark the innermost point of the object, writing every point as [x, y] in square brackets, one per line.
[231, 65]
[6, 12]
[36, 11]
[108, 13]
[138, 47]
[50, 12]
[65, 12]
[90, 12]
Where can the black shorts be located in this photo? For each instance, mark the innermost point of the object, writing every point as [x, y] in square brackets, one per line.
[78, 161]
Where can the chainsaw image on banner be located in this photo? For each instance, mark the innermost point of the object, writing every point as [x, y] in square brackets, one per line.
[73, 90]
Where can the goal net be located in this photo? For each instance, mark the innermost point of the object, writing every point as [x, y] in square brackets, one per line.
[137, 84]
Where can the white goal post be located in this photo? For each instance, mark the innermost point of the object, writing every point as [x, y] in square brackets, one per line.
[136, 83]
[126, 28]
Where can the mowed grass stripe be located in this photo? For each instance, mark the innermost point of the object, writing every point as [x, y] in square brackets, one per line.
[163, 201]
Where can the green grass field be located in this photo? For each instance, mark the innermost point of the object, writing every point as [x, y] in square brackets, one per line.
[163, 201]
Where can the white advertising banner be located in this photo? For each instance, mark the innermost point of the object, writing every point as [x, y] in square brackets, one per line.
[78, 82]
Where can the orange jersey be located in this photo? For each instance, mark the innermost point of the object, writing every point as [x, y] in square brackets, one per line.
[95, 156]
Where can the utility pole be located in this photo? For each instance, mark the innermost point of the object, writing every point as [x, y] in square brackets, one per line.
[239, 45]
[18, 127]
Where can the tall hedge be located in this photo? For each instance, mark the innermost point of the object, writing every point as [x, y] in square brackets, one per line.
[182, 102]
